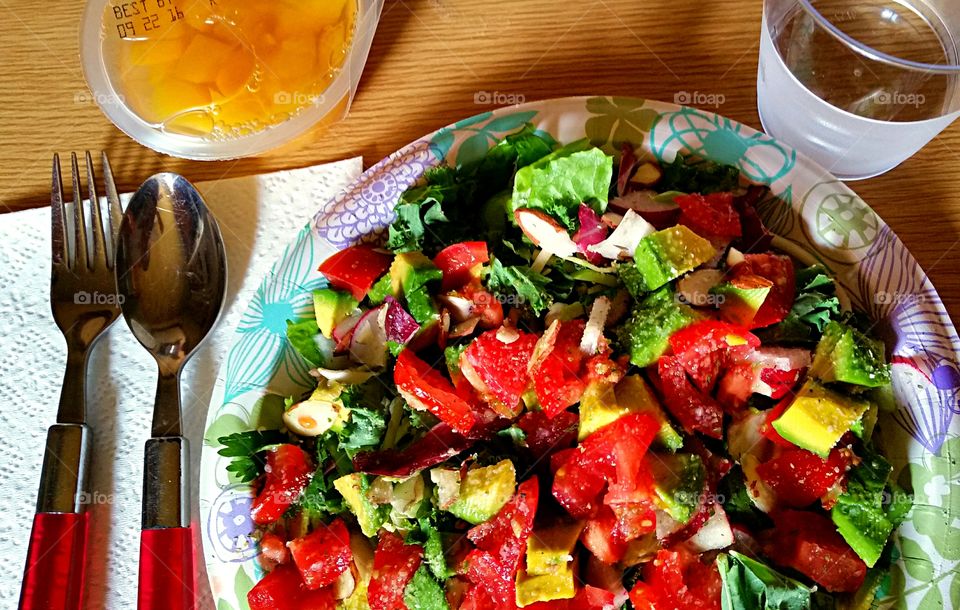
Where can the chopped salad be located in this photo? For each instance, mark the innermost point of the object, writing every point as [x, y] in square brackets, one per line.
[576, 380]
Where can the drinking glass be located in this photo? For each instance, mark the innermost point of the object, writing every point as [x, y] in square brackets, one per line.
[858, 85]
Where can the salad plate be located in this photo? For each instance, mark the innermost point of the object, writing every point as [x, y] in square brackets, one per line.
[818, 220]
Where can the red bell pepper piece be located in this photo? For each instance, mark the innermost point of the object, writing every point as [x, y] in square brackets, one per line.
[280, 589]
[800, 477]
[322, 555]
[394, 564]
[587, 598]
[440, 444]
[809, 543]
[460, 263]
[355, 269]
[710, 215]
[425, 388]
[287, 472]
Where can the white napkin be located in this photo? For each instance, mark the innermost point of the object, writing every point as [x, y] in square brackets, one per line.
[258, 215]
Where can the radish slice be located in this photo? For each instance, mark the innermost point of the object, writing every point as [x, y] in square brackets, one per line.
[460, 308]
[341, 332]
[463, 328]
[398, 324]
[624, 239]
[695, 287]
[545, 232]
[368, 344]
[646, 203]
[715, 534]
[590, 342]
[591, 232]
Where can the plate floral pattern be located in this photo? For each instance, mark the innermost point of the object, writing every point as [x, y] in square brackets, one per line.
[819, 217]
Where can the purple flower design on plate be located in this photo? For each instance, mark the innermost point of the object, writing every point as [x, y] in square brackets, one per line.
[366, 207]
[230, 525]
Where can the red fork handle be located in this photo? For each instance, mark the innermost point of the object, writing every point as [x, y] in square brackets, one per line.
[54, 575]
[166, 569]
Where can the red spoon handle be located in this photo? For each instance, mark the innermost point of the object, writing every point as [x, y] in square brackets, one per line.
[166, 569]
[53, 578]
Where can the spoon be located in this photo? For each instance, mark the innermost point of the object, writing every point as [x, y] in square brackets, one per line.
[171, 274]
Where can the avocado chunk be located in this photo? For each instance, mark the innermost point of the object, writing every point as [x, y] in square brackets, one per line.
[550, 550]
[546, 587]
[668, 254]
[860, 515]
[331, 307]
[645, 334]
[353, 487]
[602, 404]
[484, 491]
[410, 273]
[678, 481]
[742, 298]
[818, 417]
[848, 355]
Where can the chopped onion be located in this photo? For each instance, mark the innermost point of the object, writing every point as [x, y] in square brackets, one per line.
[590, 342]
[715, 534]
[399, 325]
[459, 307]
[368, 344]
[624, 239]
[591, 232]
[352, 376]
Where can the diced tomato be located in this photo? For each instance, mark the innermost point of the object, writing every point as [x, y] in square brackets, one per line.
[598, 536]
[615, 454]
[283, 589]
[800, 477]
[809, 543]
[556, 378]
[676, 579]
[704, 347]
[355, 269]
[545, 435]
[756, 237]
[502, 367]
[492, 583]
[696, 411]
[767, 429]
[485, 305]
[505, 535]
[501, 544]
[777, 269]
[425, 388]
[286, 474]
[736, 386]
[601, 367]
[710, 215]
[322, 555]
[780, 382]
[394, 564]
[273, 549]
[460, 263]
[587, 598]
[280, 589]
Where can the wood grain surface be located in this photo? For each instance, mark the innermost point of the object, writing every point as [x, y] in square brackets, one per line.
[429, 60]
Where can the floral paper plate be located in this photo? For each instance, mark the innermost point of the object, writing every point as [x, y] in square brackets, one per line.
[820, 216]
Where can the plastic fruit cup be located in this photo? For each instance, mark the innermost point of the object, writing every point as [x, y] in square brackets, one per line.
[327, 108]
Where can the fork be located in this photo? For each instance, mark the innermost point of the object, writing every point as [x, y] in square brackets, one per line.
[83, 297]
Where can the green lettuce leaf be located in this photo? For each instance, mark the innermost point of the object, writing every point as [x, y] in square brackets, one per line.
[303, 336]
[815, 305]
[526, 285]
[751, 585]
[688, 176]
[558, 183]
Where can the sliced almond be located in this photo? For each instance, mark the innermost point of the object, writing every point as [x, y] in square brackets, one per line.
[545, 232]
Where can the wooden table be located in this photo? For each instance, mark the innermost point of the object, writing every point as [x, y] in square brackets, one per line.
[428, 61]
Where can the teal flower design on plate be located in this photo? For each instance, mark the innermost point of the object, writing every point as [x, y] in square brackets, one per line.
[262, 356]
[761, 158]
[618, 120]
[476, 139]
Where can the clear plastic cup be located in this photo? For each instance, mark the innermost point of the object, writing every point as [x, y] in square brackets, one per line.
[859, 85]
[147, 20]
